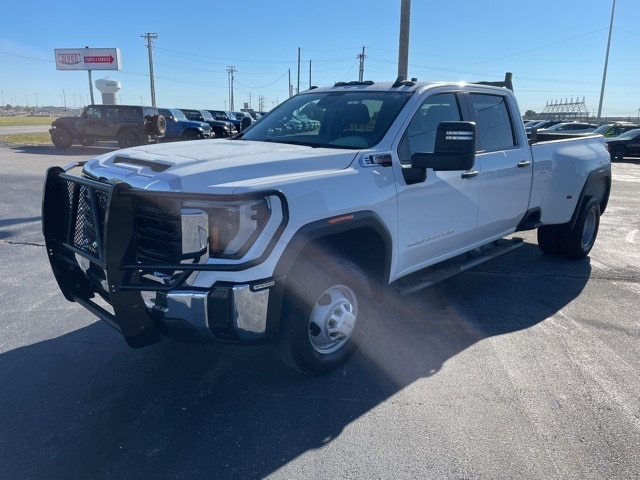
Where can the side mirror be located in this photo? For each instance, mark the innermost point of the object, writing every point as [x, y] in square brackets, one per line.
[455, 148]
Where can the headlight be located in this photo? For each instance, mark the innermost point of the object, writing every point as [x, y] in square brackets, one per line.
[233, 226]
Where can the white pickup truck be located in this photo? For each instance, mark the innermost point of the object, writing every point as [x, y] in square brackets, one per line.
[282, 235]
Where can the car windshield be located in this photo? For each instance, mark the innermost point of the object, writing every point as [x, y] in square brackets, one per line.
[334, 119]
[631, 134]
[207, 116]
[180, 116]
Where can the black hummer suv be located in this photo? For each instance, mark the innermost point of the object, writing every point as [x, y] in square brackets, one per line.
[129, 125]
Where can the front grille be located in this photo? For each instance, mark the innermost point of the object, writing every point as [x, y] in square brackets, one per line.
[86, 229]
[158, 231]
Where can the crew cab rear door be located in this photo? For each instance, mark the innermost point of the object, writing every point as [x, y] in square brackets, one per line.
[504, 160]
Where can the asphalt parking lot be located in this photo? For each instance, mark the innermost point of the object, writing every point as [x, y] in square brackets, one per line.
[526, 367]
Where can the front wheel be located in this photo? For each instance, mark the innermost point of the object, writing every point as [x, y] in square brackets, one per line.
[325, 314]
[577, 242]
[618, 152]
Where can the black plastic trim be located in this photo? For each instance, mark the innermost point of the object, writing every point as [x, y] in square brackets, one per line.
[327, 227]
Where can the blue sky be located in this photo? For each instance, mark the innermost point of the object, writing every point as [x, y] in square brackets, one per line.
[555, 49]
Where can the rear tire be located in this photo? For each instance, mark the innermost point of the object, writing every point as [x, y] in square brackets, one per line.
[61, 138]
[325, 312]
[128, 139]
[577, 242]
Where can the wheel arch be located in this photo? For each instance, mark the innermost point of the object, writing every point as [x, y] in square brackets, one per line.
[361, 237]
[597, 185]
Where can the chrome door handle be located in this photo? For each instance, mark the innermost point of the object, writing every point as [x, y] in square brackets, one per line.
[471, 174]
[524, 163]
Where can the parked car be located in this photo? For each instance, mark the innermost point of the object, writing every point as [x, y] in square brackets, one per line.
[615, 129]
[226, 116]
[179, 127]
[625, 144]
[221, 128]
[540, 124]
[255, 115]
[570, 127]
[129, 125]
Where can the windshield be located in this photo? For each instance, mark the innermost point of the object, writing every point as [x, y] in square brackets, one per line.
[342, 119]
[631, 134]
[179, 115]
[207, 116]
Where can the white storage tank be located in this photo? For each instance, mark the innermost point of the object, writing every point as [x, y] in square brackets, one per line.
[108, 87]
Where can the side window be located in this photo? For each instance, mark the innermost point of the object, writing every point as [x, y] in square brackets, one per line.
[92, 112]
[421, 133]
[495, 128]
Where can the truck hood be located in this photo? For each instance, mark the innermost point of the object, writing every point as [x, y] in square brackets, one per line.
[228, 165]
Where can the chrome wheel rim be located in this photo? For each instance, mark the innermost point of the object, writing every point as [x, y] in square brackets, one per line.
[333, 319]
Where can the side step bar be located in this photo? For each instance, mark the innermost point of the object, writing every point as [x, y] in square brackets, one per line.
[432, 275]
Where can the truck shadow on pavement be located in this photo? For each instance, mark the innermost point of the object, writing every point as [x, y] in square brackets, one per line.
[84, 405]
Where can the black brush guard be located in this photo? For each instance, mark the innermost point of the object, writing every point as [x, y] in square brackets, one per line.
[77, 216]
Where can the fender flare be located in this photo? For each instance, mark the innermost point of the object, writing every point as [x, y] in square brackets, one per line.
[592, 188]
[328, 227]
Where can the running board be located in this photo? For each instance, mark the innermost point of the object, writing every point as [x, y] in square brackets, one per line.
[437, 273]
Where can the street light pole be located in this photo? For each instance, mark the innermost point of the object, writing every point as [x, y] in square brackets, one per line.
[606, 61]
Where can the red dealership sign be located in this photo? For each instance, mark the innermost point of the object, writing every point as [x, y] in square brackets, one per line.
[87, 58]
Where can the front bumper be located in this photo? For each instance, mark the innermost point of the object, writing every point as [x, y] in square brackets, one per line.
[92, 240]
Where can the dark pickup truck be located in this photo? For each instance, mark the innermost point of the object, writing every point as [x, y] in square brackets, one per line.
[129, 125]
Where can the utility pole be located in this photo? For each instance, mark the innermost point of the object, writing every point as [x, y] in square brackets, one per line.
[606, 61]
[403, 50]
[298, 88]
[361, 70]
[230, 71]
[150, 38]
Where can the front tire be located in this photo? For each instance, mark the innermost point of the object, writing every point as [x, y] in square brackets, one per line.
[618, 152]
[577, 242]
[325, 313]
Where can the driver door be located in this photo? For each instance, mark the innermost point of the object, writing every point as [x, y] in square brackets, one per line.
[437, 215]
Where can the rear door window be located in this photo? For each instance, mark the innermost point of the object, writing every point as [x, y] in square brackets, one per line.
[494, 124]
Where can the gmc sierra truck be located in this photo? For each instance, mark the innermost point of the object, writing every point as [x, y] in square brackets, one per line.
[282, 237]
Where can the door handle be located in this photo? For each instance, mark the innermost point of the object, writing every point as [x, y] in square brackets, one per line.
[524, 163]
[471, 174]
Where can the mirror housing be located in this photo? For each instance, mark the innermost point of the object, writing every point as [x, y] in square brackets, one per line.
[455, 148]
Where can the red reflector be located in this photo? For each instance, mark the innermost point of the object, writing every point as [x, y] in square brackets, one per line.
[344, 218]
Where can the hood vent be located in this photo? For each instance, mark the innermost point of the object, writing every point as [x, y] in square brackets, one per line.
[155, 166]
